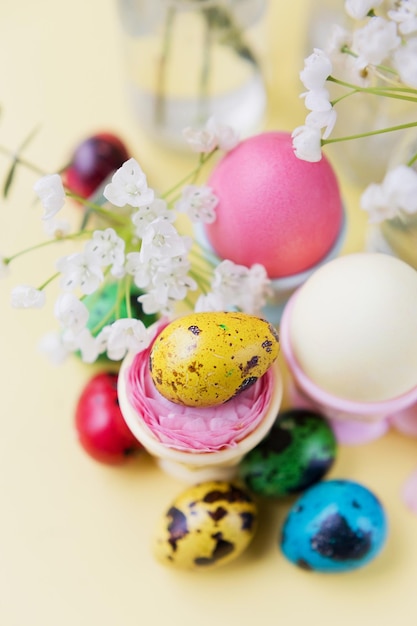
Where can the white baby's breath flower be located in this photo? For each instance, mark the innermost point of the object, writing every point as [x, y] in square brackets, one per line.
[129, 186]
[400, 185]
[375, 41]
[322, 119]
[54, 348]
[236, 286]
[71, 312]
[161, 239]
[396, 194]
[107, 248]
[142, 271]
[227, 137]
[210, 302]
[306, 141]
[230, 280]
[198, 202]
[166, 280]
[228, 277]
[344, 65]
[374, 202]
[256, 290]
[154, 301]
[339, 38]
[359, 9]
[150, 212]
[200, 140]
[56, 228]
[404, 59]
[27, 297]
[80, 269]
[172, 278]
[317, 69]
[89, 346]
[405, 14]
[125, 335]
[51, 193]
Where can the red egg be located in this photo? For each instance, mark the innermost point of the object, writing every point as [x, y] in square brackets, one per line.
[102, 431]
[274, 208]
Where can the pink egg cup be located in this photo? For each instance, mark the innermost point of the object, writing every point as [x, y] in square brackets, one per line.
[353, 422]
[190, 466]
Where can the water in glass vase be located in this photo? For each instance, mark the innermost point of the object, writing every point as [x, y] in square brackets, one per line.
[190, 59]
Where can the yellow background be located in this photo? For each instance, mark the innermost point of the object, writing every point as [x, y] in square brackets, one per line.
[75, 535]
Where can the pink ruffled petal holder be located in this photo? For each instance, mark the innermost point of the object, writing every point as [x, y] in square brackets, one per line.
[196, 443]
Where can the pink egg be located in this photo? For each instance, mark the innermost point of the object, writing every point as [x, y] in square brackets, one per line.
[274, 208]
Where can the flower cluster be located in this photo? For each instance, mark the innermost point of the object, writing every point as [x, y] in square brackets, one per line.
[376, 56]
[142, 252]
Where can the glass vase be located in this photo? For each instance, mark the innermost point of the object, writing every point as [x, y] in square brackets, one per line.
[365, 160]
[398, 236]
[187, 60]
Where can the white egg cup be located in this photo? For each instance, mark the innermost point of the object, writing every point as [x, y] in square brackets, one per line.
[282, 288]
[353, 421]
[194, 467]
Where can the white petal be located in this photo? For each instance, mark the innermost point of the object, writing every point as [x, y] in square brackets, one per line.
[51, 192]
[359, 9]
[375, 41]
[27, 297]
[307, 143]
[71, 312]
[317, 68]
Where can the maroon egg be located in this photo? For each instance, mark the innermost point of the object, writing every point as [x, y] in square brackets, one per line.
[93, 161]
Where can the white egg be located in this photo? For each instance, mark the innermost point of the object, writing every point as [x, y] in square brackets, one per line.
[353, 327]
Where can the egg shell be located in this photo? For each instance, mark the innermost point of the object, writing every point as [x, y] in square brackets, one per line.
[207, 525]
[353, 327]
[204, 359]
[335, 526]
[274, 208]
[298, 451]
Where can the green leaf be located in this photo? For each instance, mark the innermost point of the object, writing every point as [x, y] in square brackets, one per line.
[16, 160]
[9, 178]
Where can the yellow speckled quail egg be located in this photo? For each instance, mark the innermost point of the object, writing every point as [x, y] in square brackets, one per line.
[206, 526]
[353, 327]
[204, 359]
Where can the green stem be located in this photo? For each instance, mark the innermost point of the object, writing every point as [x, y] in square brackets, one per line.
[93, 207]
[382, 68]
[207, 255]
[128, 282]
[345, 95]
[49, 280]
[385, 92]
[369, 133]
[102, 323]
[412, 160]
[49, 242]
[191, 176]
[199, 279]
[18, 159]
